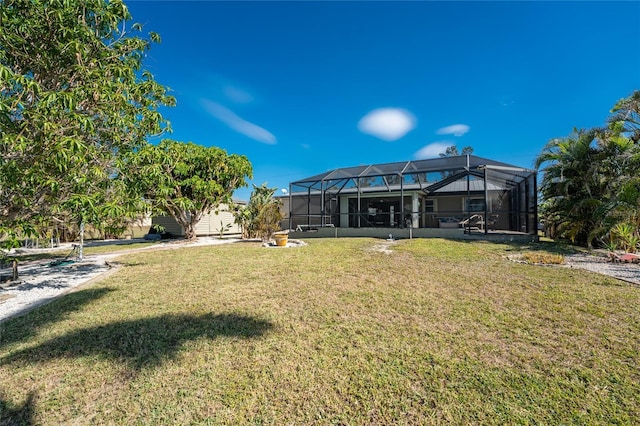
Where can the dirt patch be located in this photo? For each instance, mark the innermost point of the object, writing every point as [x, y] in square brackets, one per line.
[384, 247]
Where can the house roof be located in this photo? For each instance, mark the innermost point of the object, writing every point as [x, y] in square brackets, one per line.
[460, 162]
[443, 174]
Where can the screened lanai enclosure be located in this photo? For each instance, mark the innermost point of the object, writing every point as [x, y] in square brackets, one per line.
[467, 193]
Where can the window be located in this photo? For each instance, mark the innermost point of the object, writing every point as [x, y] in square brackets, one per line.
[430, 206]
[476, 205]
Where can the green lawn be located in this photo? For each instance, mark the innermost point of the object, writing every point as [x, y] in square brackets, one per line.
[331, 333]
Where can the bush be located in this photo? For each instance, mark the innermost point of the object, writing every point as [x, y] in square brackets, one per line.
[543, 258]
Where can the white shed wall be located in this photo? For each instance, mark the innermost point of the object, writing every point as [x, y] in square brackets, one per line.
[209, 225]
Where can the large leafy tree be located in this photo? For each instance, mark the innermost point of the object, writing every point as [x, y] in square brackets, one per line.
[73, 97]
[185, 180]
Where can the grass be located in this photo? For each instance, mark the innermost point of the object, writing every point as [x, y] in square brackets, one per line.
[331, 333]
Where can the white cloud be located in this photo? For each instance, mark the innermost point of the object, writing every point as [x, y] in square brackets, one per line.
[239, 124]
[237, 95]
[455, 130]
[389, 124]
[432, 150]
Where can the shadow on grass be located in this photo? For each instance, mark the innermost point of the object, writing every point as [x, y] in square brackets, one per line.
[141, 343]
[26, 326]
[21, 415]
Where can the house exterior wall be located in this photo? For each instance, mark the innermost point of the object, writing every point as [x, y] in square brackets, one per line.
[448, 206]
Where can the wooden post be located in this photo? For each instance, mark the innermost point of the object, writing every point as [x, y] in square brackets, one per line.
[14, 268]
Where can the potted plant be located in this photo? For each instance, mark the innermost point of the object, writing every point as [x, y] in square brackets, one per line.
[281, 238]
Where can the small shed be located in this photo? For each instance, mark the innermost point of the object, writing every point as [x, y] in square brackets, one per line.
[211, 224]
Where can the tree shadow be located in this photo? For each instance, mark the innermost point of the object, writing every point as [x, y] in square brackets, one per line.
[19, 416]
[23, 327]
[141, 343]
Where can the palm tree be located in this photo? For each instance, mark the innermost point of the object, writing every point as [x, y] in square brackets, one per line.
[263, 213]
[626, 117]
[572, 185]
[591, 179]
[621, 167]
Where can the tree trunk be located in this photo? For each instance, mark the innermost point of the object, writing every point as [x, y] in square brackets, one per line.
[81, 248]
[190, 232]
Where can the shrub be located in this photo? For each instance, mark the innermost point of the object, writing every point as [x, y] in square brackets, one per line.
[543, 258]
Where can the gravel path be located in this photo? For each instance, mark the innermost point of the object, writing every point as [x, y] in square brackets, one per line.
[39, 283]
[598, 262]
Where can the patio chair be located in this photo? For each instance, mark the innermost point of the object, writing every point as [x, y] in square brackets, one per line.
[473, 223]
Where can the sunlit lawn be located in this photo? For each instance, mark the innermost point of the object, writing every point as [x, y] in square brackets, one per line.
[331, 333]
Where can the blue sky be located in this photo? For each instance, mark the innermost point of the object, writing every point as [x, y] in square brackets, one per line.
[305, 87]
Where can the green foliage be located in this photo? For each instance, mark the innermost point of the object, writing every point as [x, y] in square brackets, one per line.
[591, 179]
[185, 180]
[626, 236]
[262, 216]
[626, 117]
[224, 227]
[73, 97]
[242, 217]
[452, 151]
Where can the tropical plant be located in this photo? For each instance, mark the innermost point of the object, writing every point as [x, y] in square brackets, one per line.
[572, 185]
[626, 117]
[263, 213]
[591, 179]
[609, 243]
[627, 236]
[224, 227]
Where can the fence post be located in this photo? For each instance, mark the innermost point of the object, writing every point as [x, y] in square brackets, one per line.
[14, 269]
